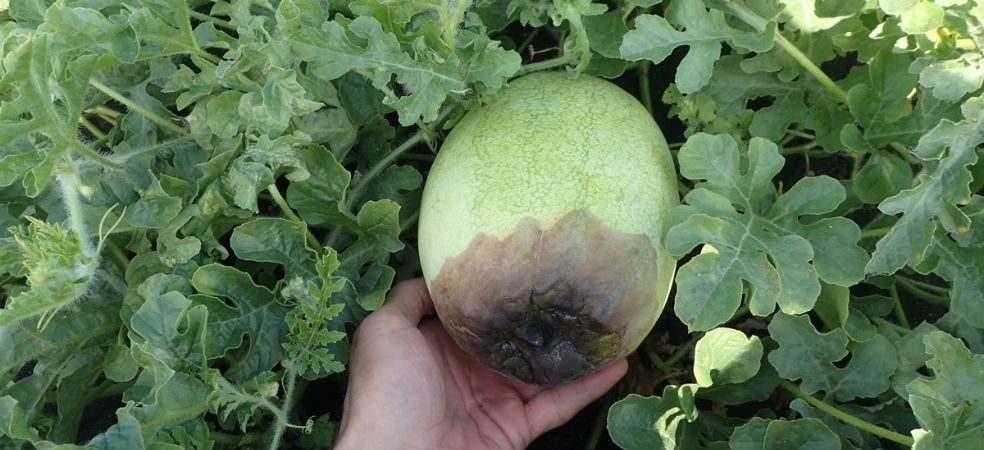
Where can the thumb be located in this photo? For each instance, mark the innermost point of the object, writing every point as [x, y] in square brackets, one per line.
[553, 407]
[408, 300]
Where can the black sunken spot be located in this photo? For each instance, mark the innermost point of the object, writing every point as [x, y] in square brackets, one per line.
[541, 342]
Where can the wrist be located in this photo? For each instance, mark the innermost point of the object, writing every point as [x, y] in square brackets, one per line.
[352, 436]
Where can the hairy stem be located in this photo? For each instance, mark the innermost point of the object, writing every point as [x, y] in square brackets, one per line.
[150, 115]
[69, 184]
[845, 417]
[451, 15]
[95, 156]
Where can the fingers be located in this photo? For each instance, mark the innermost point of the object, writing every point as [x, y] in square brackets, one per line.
[409, 299]
[553, 407]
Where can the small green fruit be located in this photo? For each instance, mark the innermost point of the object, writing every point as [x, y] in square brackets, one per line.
[540, 228]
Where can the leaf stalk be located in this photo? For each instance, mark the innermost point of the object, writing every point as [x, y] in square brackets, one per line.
[845, 417]
[755, 21]
[286, 209]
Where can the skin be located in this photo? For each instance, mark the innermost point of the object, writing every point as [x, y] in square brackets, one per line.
[412, 387]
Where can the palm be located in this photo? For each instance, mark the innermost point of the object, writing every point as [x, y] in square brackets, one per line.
[430, 394]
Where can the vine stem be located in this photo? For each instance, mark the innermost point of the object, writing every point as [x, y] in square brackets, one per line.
[232, 439]
[811, 68]
[355, 193]
[150, 115]
[644, 91]
[905, 153]
[108, 114]
[92, 128]
[748, 16]
[418, 157]
[847, 418]
[803, 149]
[899, 312]
[410, 221]
[599, 427]
[875, 232]
[548, 64]
[683, 350]
[920, 292]
[377, 168]
[283, 411]
[926, 286]
[798, 133]
[207, 18]
[655, 359]
[894, 326]
[742, 311]
[529, 39]
[153, 148]
[121, 260]
[69, 184]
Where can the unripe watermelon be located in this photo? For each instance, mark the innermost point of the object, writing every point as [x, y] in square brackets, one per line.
[540, 228]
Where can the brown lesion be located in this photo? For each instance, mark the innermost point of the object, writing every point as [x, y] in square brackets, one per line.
[550, 306]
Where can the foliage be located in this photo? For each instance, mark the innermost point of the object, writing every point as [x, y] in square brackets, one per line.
[200, 199]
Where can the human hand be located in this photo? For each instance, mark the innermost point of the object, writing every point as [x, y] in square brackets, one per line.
[412, 387]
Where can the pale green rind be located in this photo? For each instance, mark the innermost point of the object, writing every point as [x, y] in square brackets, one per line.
[542, 147]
